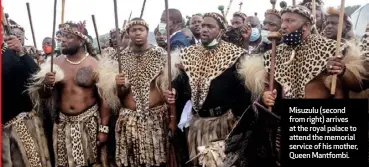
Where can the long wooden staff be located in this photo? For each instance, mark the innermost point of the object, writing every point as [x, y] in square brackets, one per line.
[97, 34]
[30, 22]
[171, 154]
[5, 22]
[129, 18]
[229, 7]
[117, 35]
[313, 10]
[143, 9]
[274, 36]
[62, 15]
[338, 44]
[53, 37]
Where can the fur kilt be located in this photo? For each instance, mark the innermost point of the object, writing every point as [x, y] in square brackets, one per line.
[24, 143]
[202, 134]
[140, 137]
[75, 138]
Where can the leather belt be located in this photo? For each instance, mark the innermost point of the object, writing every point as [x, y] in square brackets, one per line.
[212, 112]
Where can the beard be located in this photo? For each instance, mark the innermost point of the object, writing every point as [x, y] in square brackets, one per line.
[70, 51]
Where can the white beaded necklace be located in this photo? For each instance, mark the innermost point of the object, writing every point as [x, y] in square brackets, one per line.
[76, 63]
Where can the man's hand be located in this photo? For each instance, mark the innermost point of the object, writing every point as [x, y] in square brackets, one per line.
[50, 78]
[119, 79]
[335, 65]
[101, 138]
[14, 44]
[170, 96]
[245, 32]
[269, 98]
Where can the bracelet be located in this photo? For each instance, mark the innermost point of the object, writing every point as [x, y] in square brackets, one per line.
[104, 129]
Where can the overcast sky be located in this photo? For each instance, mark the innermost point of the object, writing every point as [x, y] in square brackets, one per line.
[79, 10]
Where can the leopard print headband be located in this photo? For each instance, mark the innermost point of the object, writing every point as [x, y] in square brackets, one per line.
[217, 18]
[14, 26]
[67, 29]
[240, 14]
[273, 12]
[136, 22]
[302, 10]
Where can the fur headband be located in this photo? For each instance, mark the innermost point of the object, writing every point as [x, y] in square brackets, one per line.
[302, 10]
[218, 18]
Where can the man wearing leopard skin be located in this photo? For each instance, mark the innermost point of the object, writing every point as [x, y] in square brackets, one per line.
[70, 94]
[138, 94]
[213, 75]
[301, 63]
[352, 49]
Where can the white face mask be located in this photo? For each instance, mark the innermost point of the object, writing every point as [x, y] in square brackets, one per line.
[58, 45]
[213, 43]
[264, 36]
[162, 28]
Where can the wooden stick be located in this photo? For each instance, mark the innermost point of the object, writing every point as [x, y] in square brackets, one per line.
[143, 8]
[129, 18]
[168, 47]
[293, 2]
[338, 44]
[30, 22]
[117, 36]
[5, 22]
[53, 37]
[171, 154]
[97, 34]
[314, 8]
[62, 15]
[229, 7]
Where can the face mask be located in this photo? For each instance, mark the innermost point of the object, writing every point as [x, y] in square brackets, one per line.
[255, 35]
[293, 38]
[264, 36]
[215, 41]
[162, 28]
[47, 49]
[58, 45]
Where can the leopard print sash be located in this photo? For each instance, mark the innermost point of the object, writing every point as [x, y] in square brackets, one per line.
[141, 70]
[19, 124]
[73, 136]
[309, 61]
[202, 66]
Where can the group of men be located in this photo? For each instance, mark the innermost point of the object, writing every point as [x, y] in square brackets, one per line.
[64, 112]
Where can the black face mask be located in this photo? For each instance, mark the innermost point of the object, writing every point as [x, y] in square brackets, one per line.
[293, 38]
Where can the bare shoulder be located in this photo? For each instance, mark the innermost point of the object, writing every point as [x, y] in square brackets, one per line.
[91, 62]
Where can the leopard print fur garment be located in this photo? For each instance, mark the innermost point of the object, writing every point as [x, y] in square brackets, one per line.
[310, 60]
[75, 137]
[141, 70]
[203, 65]
[365, 44]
